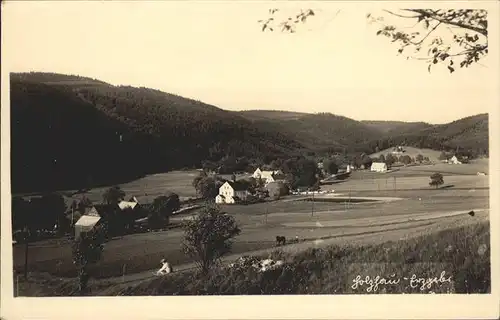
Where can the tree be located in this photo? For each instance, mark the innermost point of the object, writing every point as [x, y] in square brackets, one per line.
[164, 206]
[419, 158]
[113, 195]
[87, 249]
[447, 34]
[366, 161]
[466, 39]
[330, 166]
[436, 180]
[206, 187]
[443, 156]
[54, 209]
[209, 236]
[406, 159]
[390, 159]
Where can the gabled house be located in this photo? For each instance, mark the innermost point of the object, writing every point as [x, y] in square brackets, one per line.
[90, 219]
[269, 176]
[131, 204]
[232, 192]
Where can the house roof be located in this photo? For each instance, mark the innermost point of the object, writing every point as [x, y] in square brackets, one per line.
[127, 204]
[237, 186]
[87, 221]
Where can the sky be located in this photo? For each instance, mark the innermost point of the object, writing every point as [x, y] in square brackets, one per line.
[215, 52]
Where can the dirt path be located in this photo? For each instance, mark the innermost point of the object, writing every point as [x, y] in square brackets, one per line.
[414, 229]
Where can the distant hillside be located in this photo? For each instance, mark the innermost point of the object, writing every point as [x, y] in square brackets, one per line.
[332, 133]
[272, 115]
[469, 135]
[396, 127]
[320, 132]
[70, 132]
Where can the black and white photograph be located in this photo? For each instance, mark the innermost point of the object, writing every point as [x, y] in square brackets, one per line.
[238, 148]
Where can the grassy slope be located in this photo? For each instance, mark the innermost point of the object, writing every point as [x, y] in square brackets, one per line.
[412, 152]
[326, 271]
[463, 253]
[396, 126]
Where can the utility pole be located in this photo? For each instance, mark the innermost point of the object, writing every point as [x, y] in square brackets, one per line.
[123, 273]
[312, 207]
[349, 203]
[26, 240]
[266, 214]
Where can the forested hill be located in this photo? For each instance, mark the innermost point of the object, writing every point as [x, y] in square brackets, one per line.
[74, 132]
[334, 133]
[71, 132]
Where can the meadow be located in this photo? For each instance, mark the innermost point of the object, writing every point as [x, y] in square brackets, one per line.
[461, 251]
[433, 155]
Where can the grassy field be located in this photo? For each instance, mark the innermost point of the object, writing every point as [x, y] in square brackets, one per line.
[142, 252]
[433, 155]
[462, 253]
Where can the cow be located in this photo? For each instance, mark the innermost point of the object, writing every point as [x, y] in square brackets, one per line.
[280, 240]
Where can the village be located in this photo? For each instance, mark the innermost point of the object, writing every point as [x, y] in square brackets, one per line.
[265, 197]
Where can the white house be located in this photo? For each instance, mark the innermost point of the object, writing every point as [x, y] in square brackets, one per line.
[454, 160]
[379, 167]
[87, 221]
[257, 173]
[231, 192]
[268, 176]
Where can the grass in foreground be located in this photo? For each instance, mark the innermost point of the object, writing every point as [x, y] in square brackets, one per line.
[462, 253]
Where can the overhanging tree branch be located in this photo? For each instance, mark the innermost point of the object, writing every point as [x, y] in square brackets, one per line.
[432, 15]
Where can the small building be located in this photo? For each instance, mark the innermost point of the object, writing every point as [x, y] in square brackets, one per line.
[231, 192]
[480, 173]
[276, 189]
[131, 204]
[87, 221]
[378, 167]
[454, 160]
[268, 176]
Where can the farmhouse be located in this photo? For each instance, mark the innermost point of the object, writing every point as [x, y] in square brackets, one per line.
[87, 221]
[379, 167]
[268, 176]
[232, 192]
[131, 204]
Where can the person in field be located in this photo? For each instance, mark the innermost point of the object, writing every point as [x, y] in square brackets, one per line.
[165, 269]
